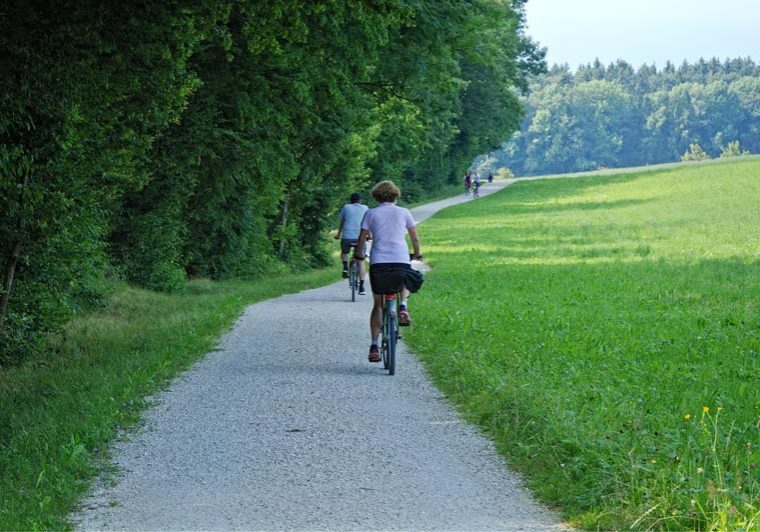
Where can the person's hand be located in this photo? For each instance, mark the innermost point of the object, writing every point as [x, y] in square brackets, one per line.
[337, 237]
[359, 256]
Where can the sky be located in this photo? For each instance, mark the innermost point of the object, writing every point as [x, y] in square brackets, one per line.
[644, 31]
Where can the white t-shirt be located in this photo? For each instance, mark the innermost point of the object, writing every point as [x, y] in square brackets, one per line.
[388, 225]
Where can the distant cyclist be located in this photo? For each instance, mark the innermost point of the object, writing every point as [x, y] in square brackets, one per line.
[390, 268]
[476, 185]
[348, 233]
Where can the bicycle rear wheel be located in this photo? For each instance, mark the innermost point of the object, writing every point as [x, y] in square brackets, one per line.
[384, 342]
[392, 338]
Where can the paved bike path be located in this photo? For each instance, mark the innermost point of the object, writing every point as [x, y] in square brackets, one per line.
[288, 427]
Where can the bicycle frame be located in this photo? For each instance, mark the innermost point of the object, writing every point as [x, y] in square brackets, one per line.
[353, 277]
[354, 267]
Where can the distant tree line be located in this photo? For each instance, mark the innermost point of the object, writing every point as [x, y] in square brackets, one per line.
[157, 140]
[615, 116]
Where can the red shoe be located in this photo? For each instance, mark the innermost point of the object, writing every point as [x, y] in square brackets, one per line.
[374, 353]
[403, 318]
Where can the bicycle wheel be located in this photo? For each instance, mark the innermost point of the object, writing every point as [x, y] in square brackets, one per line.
[353, 276]
[384, 342]
[392, 337]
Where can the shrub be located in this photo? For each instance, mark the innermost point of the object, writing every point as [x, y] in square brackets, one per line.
[732, 150]
[695, 153]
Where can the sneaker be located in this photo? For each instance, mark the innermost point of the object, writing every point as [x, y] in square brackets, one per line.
[403, 318]
[374, 353]
[361, 289]
[345, 273]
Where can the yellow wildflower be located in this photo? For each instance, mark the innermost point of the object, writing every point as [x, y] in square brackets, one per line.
[687, 416]
[705, 409]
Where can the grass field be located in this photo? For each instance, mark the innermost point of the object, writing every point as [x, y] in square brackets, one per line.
[59, 412]
[605, 330]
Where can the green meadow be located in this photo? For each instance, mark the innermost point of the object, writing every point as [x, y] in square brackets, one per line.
[605, 331]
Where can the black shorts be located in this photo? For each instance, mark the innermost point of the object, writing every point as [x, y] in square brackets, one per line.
[392, 277]
[387, 278]
[345, 245]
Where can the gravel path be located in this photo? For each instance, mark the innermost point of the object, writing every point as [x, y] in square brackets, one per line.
[288, 427]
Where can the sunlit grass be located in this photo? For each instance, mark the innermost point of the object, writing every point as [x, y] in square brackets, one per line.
[581, 320]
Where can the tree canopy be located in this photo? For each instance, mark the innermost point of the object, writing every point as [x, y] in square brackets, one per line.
[159, 140]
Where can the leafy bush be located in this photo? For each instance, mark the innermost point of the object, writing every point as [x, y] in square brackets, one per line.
[732, 149]
[695, 153]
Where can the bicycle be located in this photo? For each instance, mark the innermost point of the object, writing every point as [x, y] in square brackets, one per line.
[476, 190]
[353, 272]
[390, 328]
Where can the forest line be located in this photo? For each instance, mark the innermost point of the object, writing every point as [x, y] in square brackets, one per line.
[605, 116]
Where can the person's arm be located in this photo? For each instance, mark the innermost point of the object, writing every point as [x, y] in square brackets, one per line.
[414, 237]
[342, 217]
[359, 253]
[340, 230]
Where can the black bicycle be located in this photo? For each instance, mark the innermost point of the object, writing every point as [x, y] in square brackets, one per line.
[391, 335]
[354, 266]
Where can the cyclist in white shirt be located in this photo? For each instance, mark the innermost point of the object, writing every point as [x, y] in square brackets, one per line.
[390, 264]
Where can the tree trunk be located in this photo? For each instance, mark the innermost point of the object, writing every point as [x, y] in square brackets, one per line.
[10, 272]
[281, 253]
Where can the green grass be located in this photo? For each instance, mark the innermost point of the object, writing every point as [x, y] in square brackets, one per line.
[60, 411]
[605, 330]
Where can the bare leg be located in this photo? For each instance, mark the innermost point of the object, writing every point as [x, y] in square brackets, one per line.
[405, 294]
[403, 315]
[376, 317]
